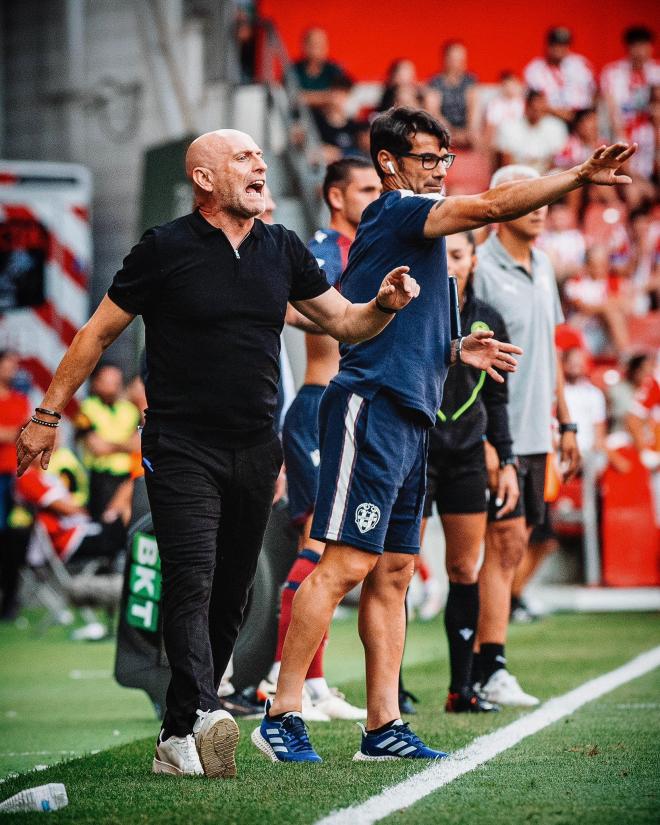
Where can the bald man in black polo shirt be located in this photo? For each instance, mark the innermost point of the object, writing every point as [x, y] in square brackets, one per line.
[212, 288]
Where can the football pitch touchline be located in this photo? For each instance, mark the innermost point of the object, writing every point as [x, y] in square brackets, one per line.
[411, 790]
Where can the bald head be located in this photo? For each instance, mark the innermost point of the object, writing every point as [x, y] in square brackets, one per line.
[207, 148]
[227, 171]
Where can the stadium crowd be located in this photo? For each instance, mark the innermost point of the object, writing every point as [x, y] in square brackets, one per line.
[600, 260]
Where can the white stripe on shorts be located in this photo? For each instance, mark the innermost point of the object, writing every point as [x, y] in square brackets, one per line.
[345, 474]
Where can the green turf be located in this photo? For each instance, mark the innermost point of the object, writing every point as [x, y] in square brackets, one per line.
[598, 766]
[550, 658]
[47, 714]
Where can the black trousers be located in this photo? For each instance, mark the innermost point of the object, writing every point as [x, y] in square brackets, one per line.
[102, 487]
[210, 507]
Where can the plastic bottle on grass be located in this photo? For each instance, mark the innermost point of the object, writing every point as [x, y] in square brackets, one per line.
[45, 798]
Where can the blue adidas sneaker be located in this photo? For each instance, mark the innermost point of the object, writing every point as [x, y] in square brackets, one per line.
[284, 740]
[397, 742]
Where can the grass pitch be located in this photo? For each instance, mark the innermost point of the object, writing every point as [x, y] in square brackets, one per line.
[598, 766]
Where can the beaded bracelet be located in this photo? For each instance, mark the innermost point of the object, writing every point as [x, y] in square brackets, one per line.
[44, 423]
[44, 411]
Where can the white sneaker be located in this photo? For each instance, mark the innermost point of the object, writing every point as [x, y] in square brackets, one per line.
[266, 690]
[177, 755]
[216, 736]
[503, 689]
[335, 706]
[91, 632]
[311, 712]
[432, 603]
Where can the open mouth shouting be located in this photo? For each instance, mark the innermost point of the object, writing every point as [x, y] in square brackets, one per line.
[256, 188]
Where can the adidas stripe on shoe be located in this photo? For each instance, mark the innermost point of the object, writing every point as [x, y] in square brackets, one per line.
[397, 742]
[284, 740]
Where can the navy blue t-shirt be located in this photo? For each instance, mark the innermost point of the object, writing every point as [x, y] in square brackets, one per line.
[330, 248]
[410, 357]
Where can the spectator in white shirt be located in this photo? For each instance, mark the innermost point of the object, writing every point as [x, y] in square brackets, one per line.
[626, 85]
[535, 138]
[586, 403]
[507, 104]
[565, 78]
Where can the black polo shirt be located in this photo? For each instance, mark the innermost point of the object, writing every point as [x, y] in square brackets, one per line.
[213, 318]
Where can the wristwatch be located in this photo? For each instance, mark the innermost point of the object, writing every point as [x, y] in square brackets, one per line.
[568, 427]
[455, 351]
[511, 460]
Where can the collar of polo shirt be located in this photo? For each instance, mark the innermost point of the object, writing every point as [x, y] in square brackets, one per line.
[203, 227]
[505, 260]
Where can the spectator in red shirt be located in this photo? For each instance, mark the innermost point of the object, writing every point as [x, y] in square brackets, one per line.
[69, 528]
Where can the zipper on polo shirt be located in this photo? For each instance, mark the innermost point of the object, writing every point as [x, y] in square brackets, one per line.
[236, 252]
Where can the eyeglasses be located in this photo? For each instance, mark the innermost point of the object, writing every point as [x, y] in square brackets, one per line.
[430, 161]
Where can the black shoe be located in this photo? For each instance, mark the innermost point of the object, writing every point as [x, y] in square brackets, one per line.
[521, 612]
[240, 706]
[468, 702]
[406, 701]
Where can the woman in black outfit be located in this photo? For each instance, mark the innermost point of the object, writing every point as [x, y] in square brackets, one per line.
[473, 410]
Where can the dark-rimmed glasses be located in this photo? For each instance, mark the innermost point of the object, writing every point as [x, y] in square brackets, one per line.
[430, 161]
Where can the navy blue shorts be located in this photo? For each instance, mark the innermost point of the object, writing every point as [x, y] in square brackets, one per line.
[300, 440]
[373, 472]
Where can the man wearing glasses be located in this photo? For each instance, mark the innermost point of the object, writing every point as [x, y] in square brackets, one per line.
[375, 415]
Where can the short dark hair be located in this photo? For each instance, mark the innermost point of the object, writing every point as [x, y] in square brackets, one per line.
[341, 82]
[339, 174]
[637, 34]
[579, 115]
[102, 365]
[468, 234]
[634, 364]
[532, 94]
[11, 353]
[395, 129]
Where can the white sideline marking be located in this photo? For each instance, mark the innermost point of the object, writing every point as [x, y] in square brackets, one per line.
[411, 790]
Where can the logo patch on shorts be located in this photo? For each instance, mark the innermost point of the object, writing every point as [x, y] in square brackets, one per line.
[367, 517]
[315, 455]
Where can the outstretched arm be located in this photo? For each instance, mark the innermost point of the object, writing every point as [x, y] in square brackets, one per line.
[79, 360]
[515, 198]
[352, 323]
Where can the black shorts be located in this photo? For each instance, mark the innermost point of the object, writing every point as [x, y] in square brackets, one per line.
[531, 480]
[457, 481]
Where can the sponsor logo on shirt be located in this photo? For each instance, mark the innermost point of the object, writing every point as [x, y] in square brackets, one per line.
[367, 517]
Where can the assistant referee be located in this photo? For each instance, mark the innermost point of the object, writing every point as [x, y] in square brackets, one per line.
[212, 288]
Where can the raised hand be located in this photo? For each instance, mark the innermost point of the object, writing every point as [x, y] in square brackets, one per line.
[482, 351]
[603, 165]
[398, 289]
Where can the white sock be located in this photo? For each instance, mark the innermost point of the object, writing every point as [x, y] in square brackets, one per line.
[274, 672]
[318, 688]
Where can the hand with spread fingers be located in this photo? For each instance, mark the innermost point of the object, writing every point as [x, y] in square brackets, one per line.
[34, 440]
[603, 165]
[398, 289]
[481, 350]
